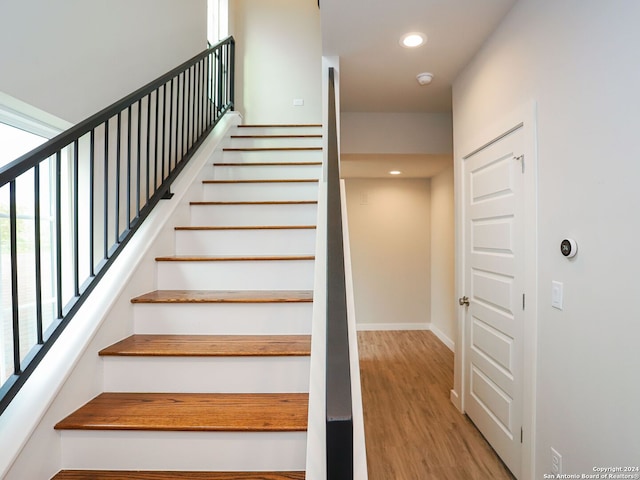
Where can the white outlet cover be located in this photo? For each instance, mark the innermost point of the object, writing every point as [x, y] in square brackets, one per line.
[556, 462]
[298, 102]
[557, 294]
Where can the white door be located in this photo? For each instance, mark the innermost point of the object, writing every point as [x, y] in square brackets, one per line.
[494, 285]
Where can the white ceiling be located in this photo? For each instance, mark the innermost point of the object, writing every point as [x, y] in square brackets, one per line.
[379, 75]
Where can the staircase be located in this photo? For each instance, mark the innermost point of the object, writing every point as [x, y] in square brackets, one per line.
[213, 383]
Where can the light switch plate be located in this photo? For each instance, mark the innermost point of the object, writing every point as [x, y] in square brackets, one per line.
[556, 294]
[298, 102]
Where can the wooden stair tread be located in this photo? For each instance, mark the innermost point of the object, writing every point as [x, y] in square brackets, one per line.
[226, 296]
[232, 258]
[256, 202]
[311, 135]
[244, 412]
[271, 149]
[250, 227]
[211, 346]
[163, 475]
[266, 180]
[281, 125]
[267, 164]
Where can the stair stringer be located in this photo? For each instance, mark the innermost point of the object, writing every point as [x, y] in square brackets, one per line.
[72, 372]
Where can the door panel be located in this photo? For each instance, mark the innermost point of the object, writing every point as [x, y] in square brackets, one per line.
[493, 235]
[494, 276]
[489, 341]
[495, 401]
[494, 289]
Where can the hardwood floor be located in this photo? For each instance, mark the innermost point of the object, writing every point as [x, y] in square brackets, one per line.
[413, 431]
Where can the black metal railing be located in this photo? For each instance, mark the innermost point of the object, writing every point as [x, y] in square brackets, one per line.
[75, 201]
[338, 372]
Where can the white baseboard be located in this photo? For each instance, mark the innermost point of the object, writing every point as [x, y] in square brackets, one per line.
[455, 399]
[364, 327]
[392, 326]
[443, 338]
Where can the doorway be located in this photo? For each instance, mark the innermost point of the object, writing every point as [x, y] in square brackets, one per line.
[497, 286]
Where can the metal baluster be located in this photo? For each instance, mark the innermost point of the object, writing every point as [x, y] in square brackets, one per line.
[76, 241]
[13, 241]
[188, 135]
[38, 252]
[148, 146]
[181, 129]
[91, 200]
[220, 79]
[232, 61]
[196, 103]
[128, 202]
[139, 152]
[156, 143]
[105, 218]
[116, 228]
[59, 233]
[164, 131]
[170, 124]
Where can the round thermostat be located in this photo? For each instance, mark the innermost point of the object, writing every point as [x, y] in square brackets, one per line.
[568, 247]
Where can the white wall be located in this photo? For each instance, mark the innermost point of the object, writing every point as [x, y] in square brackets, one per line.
[578, 61]
[278, 59]
[396, 132]
[407, 141]
[389, 225]
[443, 306]
[72, 58]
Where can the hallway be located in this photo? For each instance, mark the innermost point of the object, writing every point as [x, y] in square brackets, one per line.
[413, 431]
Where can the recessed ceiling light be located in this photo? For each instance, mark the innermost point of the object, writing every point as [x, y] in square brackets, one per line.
[395, 172]
[413, 39]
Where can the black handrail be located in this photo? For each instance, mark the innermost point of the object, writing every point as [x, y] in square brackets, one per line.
[129, 154]
[338, 373]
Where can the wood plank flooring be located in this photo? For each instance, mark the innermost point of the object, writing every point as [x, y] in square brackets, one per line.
[413, 431]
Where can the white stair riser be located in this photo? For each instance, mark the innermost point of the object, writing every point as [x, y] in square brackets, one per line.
[213, 451]
[259, 172]
[223, 318]
[253, 156]
[281, 374]
[275, 142]
[236, 275]
[246, 242]
[274, 191]
[243, 215]
[299, 130]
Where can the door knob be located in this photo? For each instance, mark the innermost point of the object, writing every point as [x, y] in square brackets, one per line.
[464, 300]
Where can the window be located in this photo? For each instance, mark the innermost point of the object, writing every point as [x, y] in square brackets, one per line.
[20, 134]
[217, 20]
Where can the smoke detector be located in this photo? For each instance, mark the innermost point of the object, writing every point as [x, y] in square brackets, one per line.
[424, 78]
